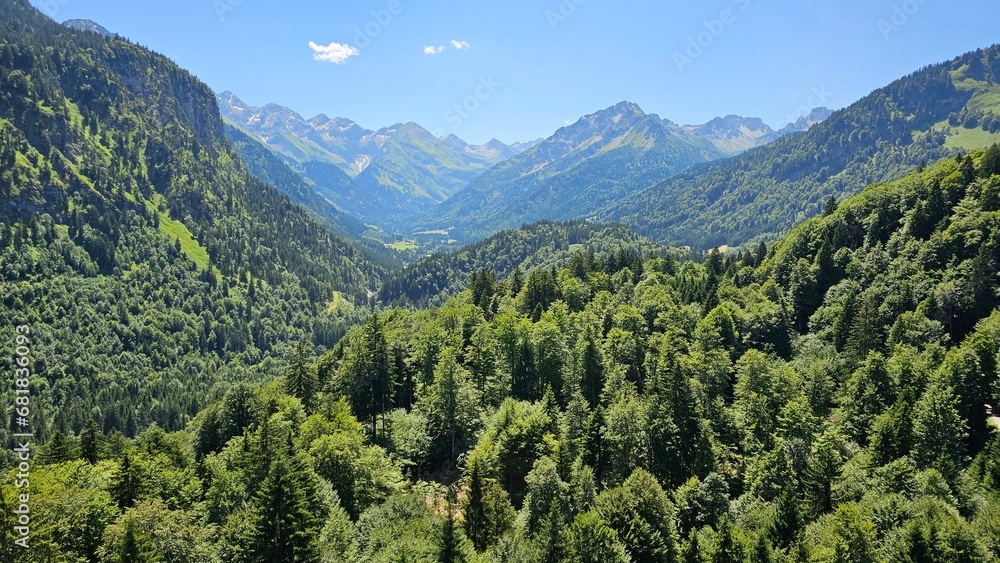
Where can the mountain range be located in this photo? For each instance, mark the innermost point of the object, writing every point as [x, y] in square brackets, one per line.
[403, 176]
[208, 371]
[938, 111]
[586, 166]
[380, 176]
[730, 181]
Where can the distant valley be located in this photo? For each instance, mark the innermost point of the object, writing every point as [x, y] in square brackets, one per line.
[404, 180]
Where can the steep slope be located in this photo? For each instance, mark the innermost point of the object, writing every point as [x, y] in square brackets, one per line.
[148, 262]
[599, 159]
[268, 167]
[932, 113]
[543, 244]
[398, 171]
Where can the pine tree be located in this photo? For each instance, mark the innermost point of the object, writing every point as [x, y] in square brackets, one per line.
[787, 522]
[595, 454]
[452, 548]
[301, 380]
[516, 281]
[831, 206]
[822, 471]
[991, 162]
[284, 525]
[368, 379]
[89, 442]
[844, 321]
[866, 330]
[692, 551]
[59, 449]
[892, 432]
[591, 365]
[680, 447]
[870, 391]
[727, 546]
[451, 406]
[127, 484]
[762, 552]
[477, 526]
[131, 551]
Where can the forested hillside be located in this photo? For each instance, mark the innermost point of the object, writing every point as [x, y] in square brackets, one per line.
[147, 261]
[573, 174]
[763, 193]
[823, 400]
[271, 170]
[544, 244]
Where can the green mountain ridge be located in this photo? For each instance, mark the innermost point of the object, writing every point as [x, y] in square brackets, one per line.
[578, 170]
[599, 160]
[927, 115]
[267, 167]
[385, 176]
[551, 244]
[150, 264]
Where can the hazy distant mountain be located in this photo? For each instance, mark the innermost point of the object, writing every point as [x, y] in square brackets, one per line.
[491, 151]
[935, 112]
[733, 134]
[87, 25]
[597, 160]
[804, 122]
[394, 172]
[518, 148]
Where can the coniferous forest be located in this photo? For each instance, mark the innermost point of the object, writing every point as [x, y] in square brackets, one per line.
[215, 373]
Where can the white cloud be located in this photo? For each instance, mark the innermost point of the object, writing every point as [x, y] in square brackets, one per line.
[432, 50]
[333, 53]
[460, 45]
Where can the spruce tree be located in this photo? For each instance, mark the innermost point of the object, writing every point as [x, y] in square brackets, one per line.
[822, 471]
[762, 552]
[301, 380]
[477, 526]
[692, 551]
[59, 449]
[787, 522]
[284, 525]
[727, 547]
[127, 483]
[89, 442]
[680, 447]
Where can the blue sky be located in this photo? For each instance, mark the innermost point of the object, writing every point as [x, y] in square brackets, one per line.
[527, 67]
